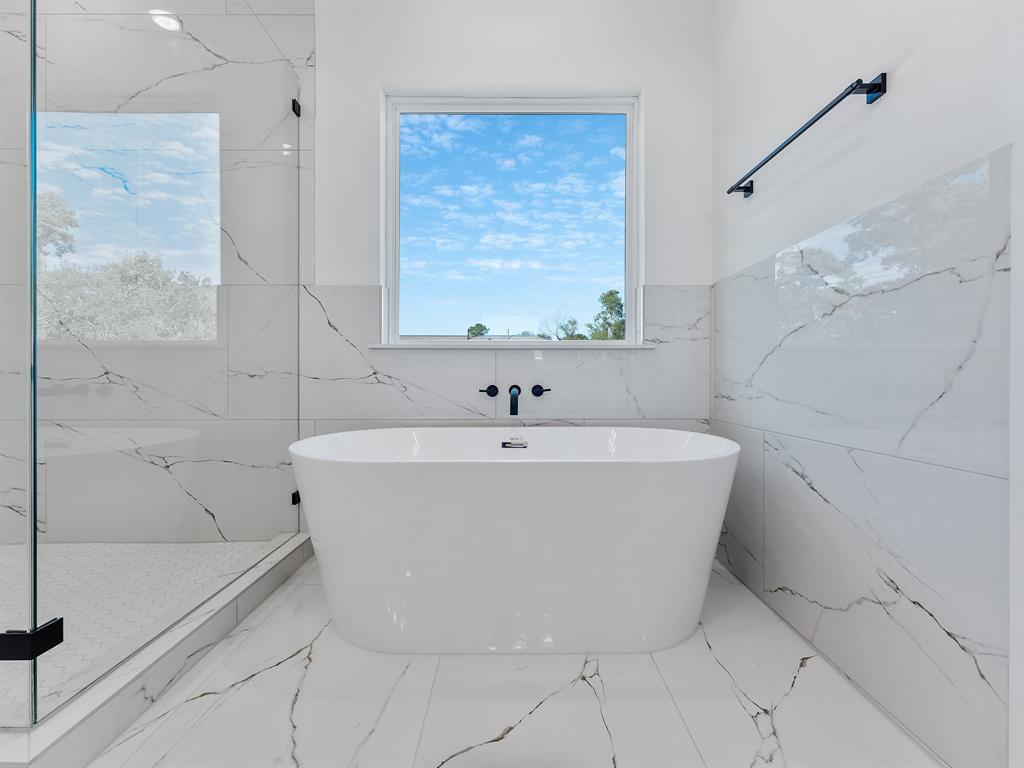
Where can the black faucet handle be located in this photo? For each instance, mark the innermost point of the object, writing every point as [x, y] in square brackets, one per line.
[539, 389]
[491, 391]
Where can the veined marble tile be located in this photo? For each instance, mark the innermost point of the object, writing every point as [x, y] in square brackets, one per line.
[754, 693]
[15, 345]
[14, 482]
[888, 332]
[14, 253]
[318, 700]
[270, 7]
[260, 216]
[342, 378]
[81, 7]
[14, 61]
[554, 711]
[215, 63]
[670, 381]
[85, 379]
[294, 35]
[307, 214]
[741, 545]
[169, 480]
[897, 570]
[149, 724]
[688, 425]
[263, 334]
[287, 690]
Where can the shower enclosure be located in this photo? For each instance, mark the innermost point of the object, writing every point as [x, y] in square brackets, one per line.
[149, 261]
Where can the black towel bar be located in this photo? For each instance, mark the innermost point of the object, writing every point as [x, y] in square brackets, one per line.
[874, 90]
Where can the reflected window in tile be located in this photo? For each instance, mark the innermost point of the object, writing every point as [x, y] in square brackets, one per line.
[129, 228]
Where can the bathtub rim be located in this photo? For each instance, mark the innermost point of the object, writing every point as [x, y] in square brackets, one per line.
[297, 451]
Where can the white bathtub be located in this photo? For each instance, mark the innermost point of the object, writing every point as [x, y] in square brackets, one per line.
[590, 539]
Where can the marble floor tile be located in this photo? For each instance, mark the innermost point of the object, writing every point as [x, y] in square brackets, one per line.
[552, 711]
[754, 693]
[285, 689]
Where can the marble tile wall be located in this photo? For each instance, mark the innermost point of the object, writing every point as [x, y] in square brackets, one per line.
[864, 374]
[188, 441]
[345, 379]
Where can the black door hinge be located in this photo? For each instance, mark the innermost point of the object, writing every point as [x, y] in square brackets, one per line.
[295, 498]
[296, 108]
[19, 645]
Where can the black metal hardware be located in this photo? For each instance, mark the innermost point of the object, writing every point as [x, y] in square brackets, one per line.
[514, 442]
[19, 645]
[491, 391]
[296, 499]
[513, 404]
[539, 389]
[873, 90]
[296, 108]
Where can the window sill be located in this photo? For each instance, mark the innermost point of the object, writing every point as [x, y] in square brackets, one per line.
[518, 345]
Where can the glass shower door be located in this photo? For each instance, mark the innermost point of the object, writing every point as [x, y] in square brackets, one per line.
[17, 609]
[167, 318]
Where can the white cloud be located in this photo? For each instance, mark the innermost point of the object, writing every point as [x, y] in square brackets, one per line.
[619, 152]
[506, 264]
[506, 163]
[616, 184]
[529, 140]
[421, 201]
[509, 240]
[572, 184]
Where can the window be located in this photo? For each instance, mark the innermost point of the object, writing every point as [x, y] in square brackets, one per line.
[128, 211]
[511, 220]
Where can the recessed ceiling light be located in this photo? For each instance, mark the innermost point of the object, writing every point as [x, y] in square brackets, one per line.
[165, 20]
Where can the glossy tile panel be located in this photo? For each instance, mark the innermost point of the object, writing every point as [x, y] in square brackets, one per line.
[753, 693]
[177, 480]
[744, 690]
[215, 63]
[259, 217]
[897, 571]
[262, 351]
[741, 545]
[341, 377]
[668, 381]
[887, 332]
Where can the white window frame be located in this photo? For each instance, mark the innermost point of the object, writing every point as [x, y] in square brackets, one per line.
[394, 105]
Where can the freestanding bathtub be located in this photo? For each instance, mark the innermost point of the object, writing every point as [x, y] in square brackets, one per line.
[588, 539]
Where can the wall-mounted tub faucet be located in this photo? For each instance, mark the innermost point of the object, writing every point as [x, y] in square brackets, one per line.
[513, 405]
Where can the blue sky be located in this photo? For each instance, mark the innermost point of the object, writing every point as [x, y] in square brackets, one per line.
[138, 182]
[508, 220]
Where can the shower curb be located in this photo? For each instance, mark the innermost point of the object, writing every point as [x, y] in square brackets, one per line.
[78, 731]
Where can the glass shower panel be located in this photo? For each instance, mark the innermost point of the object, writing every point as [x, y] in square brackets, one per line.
[16, 540]
[167, 318]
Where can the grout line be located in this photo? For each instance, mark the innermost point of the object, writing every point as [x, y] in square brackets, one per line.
[679, 712]
[862, 450]
[426, 711]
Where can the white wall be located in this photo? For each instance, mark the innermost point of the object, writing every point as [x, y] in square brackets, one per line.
[777, 63]
[663, 48]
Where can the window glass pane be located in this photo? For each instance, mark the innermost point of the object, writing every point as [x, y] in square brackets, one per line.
[512, 225]
[129, 226]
